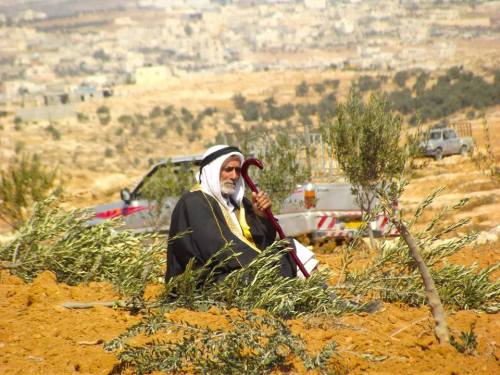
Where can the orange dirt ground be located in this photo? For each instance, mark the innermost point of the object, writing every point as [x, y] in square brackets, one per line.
[38, 336]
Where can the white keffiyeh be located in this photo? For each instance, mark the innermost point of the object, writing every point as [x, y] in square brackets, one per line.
[210, 180]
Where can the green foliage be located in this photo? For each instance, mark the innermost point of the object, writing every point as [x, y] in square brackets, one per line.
[19, 146]
[319, 88]
[23, 182]
[332, 83]
[306, 109]
[139, 119]
[394, 276]
[82, 117]
[62, 242]
[166, 184]
[179, 129]
[239, 101]
[108, 152]
[278, 113]
[401, 101]
[120, 147]
[421, 83]
[168, 110]
[254, 344]
[282, 171]
[100, 54]
[161, 132]
[155, 112]
[187, 116]
[209, 111]
[469, 341]
[251, 111]
[302, 89]
[401, 77]
[327, 108]
[257, 285]
[367, 83]
[52, 130]
[365, 140]
[456, 90]
[102, 110]
[104, 115]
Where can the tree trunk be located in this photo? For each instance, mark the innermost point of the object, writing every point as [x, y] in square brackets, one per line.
[373, 245]
[367, 210]
[431, 292]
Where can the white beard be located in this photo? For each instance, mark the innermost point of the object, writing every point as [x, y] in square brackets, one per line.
[227, 187]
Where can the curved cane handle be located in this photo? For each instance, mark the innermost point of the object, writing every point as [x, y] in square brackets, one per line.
[244, 173]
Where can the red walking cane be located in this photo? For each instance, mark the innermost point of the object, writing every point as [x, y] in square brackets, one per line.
[269, 214]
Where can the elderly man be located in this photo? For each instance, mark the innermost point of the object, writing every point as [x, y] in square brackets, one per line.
[216, 213]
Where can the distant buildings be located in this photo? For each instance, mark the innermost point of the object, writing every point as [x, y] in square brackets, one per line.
[225, 35]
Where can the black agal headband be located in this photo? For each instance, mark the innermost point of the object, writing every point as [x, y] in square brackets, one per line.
[223, 151]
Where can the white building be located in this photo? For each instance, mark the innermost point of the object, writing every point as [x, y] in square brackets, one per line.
[315, 4]
[151, 75]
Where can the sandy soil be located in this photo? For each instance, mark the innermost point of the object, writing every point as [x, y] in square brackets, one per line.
[39, 336]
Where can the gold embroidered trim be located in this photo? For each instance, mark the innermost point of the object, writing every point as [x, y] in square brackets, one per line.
[230, 223]
[236, 231]
[244, 225]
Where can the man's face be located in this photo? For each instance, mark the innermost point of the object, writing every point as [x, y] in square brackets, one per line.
[229, 174]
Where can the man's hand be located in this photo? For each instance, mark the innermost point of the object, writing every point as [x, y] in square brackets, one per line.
[260, 203]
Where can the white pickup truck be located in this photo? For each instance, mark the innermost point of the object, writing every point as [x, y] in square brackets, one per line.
[315, 210]
[445, 141]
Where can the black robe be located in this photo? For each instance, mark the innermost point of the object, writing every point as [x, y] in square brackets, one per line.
[195, 212]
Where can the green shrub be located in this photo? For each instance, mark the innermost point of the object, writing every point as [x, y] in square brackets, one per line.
[52, 130]
[367, 83]
[302, 89]
[61, 241]
[239, 101]
[251, 111]
[155, 112]
[319, 88]
[19, 147]
[254, 344]
[108, 153]
[401, 77]
[24, 182]
[104, 115]
[126, 120]
[82, 117]
[394, 276]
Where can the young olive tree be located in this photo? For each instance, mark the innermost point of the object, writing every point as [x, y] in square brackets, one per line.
[282, 171]
[163, 187]
[366, 141]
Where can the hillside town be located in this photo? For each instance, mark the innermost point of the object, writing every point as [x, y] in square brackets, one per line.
[55, 59]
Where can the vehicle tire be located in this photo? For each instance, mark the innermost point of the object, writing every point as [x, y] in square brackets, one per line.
[463, 150]
[439, 154]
